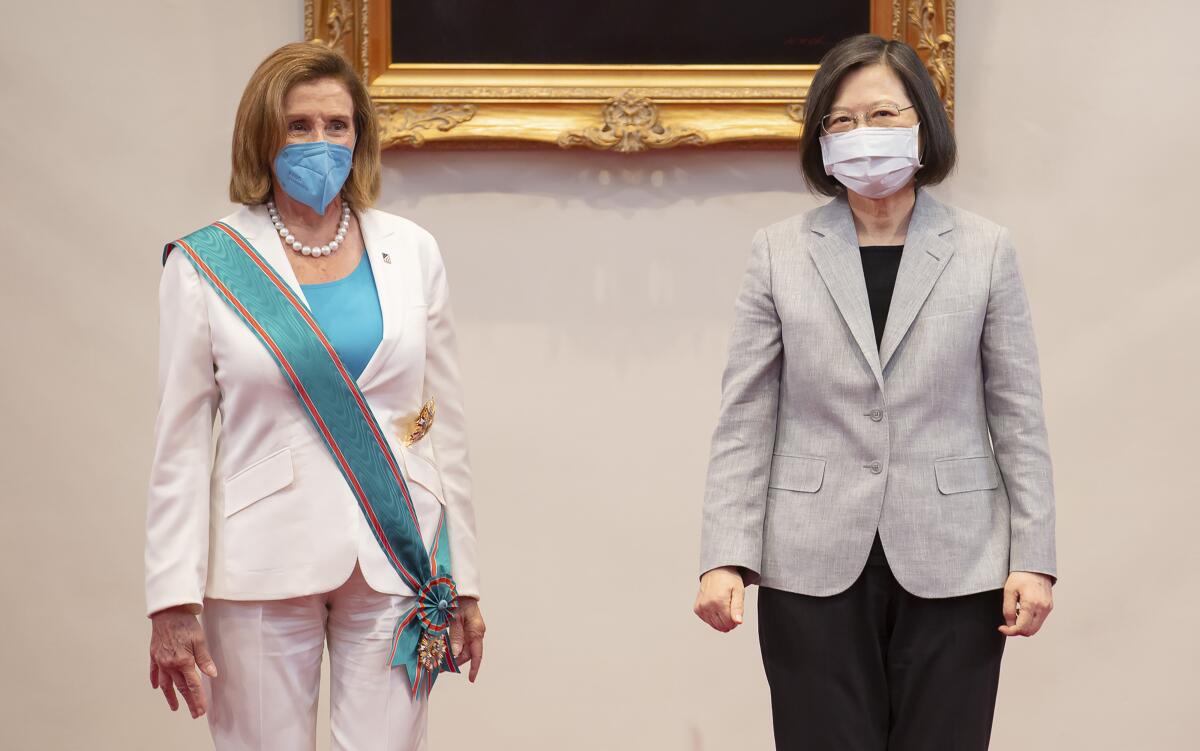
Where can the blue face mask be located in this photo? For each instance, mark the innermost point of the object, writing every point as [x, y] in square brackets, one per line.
[313, 173]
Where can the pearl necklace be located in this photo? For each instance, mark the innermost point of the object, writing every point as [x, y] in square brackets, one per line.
[299, 247]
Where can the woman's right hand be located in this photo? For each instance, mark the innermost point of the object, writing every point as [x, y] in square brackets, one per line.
[177, 648]
[720, 600]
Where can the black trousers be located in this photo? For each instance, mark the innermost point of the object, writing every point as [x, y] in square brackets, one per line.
[875, 668]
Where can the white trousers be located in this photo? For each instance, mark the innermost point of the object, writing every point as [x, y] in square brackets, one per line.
[268, 656]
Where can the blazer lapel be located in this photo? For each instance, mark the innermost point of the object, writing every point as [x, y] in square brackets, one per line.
[926, 253]
[835, 253]
[254, 223]
[377, 239]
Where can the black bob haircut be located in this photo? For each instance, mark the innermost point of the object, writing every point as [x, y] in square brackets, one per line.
[938, 149]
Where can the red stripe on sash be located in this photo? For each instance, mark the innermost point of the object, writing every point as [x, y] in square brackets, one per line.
[433, 549]
[208, 272]
[287, 291]
[400, 629]
[416, 685]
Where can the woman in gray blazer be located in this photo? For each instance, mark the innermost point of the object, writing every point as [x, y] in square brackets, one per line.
[880, 467]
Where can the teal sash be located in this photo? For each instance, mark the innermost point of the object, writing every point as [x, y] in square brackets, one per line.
[342, 417]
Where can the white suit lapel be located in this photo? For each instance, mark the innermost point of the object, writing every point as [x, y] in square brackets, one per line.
[254, 223]
[378, 238]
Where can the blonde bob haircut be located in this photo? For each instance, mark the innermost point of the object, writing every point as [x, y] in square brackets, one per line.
[260, 130]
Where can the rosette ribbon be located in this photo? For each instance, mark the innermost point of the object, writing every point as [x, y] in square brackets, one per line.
[421, 641]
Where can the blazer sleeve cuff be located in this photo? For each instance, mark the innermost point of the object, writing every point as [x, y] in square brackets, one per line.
[1034, 568]
[1034, 554]
[193, 606]
[749, 569]
[175, 586]
[466, 577]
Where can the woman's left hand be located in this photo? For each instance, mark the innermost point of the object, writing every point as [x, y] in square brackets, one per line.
[1028, 601]
[466, 634]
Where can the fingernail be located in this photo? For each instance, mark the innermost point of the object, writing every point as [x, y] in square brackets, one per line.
[457, 651]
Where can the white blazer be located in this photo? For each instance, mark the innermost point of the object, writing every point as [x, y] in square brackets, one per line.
[268, 515]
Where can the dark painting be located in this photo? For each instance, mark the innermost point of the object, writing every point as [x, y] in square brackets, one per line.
[629, 32]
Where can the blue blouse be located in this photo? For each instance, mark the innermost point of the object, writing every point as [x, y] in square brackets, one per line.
[347, 310]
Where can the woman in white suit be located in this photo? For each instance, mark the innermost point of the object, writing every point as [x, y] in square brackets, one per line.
[266, 540]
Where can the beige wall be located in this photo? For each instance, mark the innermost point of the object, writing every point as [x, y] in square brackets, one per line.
[594, 296]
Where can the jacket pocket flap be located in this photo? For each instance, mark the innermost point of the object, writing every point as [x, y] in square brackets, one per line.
[960, 474]
[945, 305]
[801, 473]
[259, 480]
[422, 470]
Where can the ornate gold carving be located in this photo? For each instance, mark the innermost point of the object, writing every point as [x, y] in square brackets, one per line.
[400, 125]
[364, 59]
[632, 123]
[332, 23]
[496, 104]
[939, 48]
[948, 59]
[560, 92]
[336, 20]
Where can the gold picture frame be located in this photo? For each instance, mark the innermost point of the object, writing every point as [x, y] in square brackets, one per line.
[620, 108]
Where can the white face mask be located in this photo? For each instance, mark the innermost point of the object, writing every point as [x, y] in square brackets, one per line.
[872, 162]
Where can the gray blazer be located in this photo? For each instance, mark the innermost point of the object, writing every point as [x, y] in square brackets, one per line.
[936, 438]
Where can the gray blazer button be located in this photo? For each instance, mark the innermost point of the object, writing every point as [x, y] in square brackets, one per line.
[876, 414]
[875, 467]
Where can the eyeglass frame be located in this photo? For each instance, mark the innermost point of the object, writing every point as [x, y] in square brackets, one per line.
[864, 119]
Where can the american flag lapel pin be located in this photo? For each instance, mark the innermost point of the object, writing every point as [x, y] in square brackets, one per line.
[387, 258]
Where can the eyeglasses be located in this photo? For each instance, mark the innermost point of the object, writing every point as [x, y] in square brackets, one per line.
[878, 116]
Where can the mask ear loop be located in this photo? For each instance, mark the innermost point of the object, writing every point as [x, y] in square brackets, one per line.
[353, 152]
[920, 146]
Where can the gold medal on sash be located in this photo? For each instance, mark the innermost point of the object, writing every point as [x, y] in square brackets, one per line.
[431, 650]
